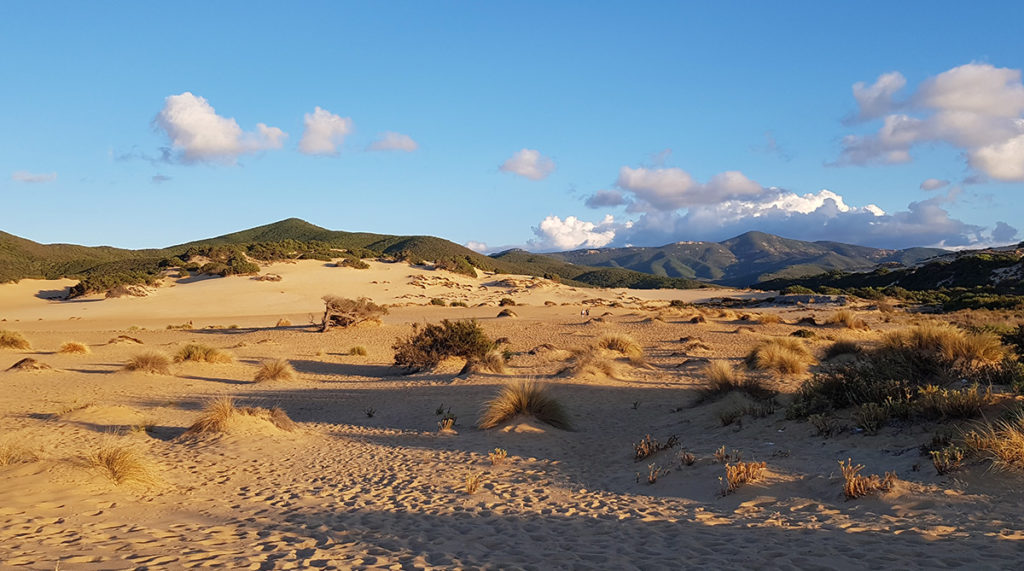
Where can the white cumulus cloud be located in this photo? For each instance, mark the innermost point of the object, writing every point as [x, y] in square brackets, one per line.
[976, 108]
[324, 133]
[673, 188]
[476, 246]
[553, 233]
[529, 163]
[933, 184]
[198, 133]
[33, 178]
[390, 141]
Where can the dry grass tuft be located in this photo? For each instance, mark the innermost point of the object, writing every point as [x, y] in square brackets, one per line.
[13, 453]
[847, 319]
[782, 354]
[473, 482]
[75, 347]
[122, 465]
[524, 397]
[589, 361]
[843, 347]
[493, 361]
[358, 350]
[275, 370]
[1001, 441]
[149, 362]
[856, 486]
[497, 456]
[741, 473]
[219, 414]
[283, 323]
[952, 344]
[13, 340]
[768, 318]
[649, 446]
[202, 354]
[623, 344]
[723, 378]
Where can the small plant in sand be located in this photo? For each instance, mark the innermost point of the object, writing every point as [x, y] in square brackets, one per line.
[505, 301]
[934, 403]
[654, 472]
[149, 362]
[856, 486]
[624, 345]
[369, 411]
[275, 370]
[473, 482]
[524, 397]
[721, 456]
[283, 323]
[219, 414]
[803, 334]
[497, 456]
[847, 319]
[202, 354]
[741, 473]
[13, 340]
[74, 347]
[649, 446]
[948, 459]
[871, 417]
[358, 350]
[447, 422]
[824, 425]
[122, 465]
[432, 343]
[344, 312]
[768, 318]
[182, 326]
[437, 301]
[782, 354]
[686, 458]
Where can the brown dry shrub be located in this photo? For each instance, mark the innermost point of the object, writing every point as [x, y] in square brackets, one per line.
[741, 473]
[150, 362]
[13, 340]
[856, 486]
[847, 319]
[220, 412]
[623, 344]
[74, 347]
[782, 354]
[202, 354]
[122, 464]
[274, 370]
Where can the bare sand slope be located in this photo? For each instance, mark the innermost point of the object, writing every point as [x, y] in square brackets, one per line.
[366, 480]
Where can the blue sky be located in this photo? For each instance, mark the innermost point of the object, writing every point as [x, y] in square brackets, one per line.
[550, 125]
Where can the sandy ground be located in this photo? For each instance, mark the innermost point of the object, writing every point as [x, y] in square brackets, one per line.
[350, 490]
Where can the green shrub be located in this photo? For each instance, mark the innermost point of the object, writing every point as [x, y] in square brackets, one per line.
[430, 344]
[437, 301]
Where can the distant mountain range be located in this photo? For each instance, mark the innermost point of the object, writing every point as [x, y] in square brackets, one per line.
[746, 259]
[741, 261]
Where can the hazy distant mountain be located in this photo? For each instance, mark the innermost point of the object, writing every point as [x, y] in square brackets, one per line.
[745, 259]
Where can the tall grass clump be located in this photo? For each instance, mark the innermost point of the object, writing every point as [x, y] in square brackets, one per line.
[623, 344]
[432, 343]
[788, 355]
[855, 485]
[274, 370]
[525, 397]
[220, 413]
[847, 319]
[1001, 441]
[149, 362]
[722, 378]
[122, 465]
[13, 340]
[74, 347]
[202, 354]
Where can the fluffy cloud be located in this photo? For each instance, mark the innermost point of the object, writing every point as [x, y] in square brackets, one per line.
[605, 199]
[529, 163]
[1003, 233]
[553, 233]
[199, 134]
[33, 178]
[476, 246]
[672, 188]
[324, 133]
[975, 107]
[933, 184]
[394, 142]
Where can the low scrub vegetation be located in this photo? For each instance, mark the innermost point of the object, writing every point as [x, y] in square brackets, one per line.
[150, 362]
[13, 340]
[344, 312]
[202, 354]
[722, 379]
[430, 344]
[74, 347]
[122, 465]
[624, 345]
[846, 318]
[524, 397]
[1001, 441]
[220, 413]
[741, 473]
[649, 446]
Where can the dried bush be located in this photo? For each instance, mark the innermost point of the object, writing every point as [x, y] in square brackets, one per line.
[782, 354]
[473, 482]
[430, 344]
[283, 323]
[649, 446]
[75, 347]
[842, 347]
[622, 344]
[202, 354]
[947, 460]
[275, 370]
[742, 473]
[768, 318]
[219, 414]
[358, 350]
[723, 378]
[846, 318]
[149, 362]
[1001, 441]
[13, 453]
[344, 312]
[13, 340]
[524, 397]
[497, 456]
[856, 486]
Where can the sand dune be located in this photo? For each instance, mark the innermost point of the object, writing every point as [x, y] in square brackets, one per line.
[368, 481]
